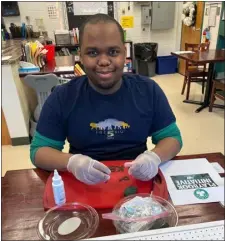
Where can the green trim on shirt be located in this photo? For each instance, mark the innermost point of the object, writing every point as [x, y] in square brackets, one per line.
[170, 131]
[42, 141]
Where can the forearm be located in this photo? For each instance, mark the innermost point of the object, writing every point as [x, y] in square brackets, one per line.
[49, 159]
[167, 148]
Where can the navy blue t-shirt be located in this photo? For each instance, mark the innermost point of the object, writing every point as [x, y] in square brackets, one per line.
[106, 127]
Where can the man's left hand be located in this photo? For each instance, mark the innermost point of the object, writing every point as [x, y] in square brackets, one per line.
[145, 166]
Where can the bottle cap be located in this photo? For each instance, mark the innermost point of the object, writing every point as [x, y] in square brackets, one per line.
[56, 179]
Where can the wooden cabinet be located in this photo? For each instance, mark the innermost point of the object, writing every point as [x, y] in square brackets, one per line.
[6, 140]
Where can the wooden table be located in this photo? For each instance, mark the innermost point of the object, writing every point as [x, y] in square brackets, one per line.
[207, 57]
[22, 208]
[58, 61]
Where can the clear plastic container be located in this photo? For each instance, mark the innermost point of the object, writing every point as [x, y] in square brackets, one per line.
[170, 220]
[49, 226]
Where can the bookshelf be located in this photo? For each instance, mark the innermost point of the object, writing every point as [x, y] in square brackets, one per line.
[72, 49]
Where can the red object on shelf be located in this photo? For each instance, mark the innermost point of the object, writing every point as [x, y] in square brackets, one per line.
[51, 52]
[104, 195]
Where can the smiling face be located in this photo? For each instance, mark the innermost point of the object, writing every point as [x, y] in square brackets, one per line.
[103, 55]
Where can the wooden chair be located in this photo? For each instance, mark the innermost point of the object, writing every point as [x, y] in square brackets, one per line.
[194, 72]
[218, 91]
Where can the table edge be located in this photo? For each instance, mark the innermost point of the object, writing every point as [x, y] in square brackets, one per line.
[197, 62]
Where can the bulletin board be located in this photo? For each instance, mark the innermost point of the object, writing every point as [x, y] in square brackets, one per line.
[76, 16]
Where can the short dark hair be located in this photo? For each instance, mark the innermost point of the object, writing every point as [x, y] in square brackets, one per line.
[100, 17]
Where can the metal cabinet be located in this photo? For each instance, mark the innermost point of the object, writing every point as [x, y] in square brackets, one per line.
[163, 14]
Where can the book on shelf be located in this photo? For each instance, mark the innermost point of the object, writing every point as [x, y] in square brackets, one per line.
[76, 35]
[78, 70]
[35, 53]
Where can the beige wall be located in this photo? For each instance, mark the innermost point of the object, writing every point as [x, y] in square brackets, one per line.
[168, 40]
[27, 96]
[14, 103]
[36, 10]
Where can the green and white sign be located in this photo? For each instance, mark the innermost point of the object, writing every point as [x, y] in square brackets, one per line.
[183, 182]
[193, 181]
[201, 194]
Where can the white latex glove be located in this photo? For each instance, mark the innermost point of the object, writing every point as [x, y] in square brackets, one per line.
[145, 166]
[87, 170]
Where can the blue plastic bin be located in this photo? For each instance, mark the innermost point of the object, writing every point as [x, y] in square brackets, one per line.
[29, 70]
[166, 64]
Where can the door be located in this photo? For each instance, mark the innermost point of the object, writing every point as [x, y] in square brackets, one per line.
[6, 140]
[190, 34]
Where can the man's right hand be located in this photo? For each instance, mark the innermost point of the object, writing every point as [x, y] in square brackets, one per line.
[87, 170]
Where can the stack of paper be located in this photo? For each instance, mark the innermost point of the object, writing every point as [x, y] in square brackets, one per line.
[78, 71]
[64, 68]
[35, 53]
[184, 52]
[193, 181]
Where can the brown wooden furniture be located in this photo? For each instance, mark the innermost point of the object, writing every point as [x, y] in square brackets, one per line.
[59, 61]
[192, 35]
[194, 72]
[22, 204]
[218, 91]
[6, 140]
[204, 57]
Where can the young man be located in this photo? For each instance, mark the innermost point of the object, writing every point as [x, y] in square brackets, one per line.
[105, 115]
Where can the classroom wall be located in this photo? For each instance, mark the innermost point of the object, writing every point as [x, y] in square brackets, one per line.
[14, 104]
[213, 30]
[36, 10]
[168, 40]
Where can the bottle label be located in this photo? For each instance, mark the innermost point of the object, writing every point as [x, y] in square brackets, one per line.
[59, 194]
